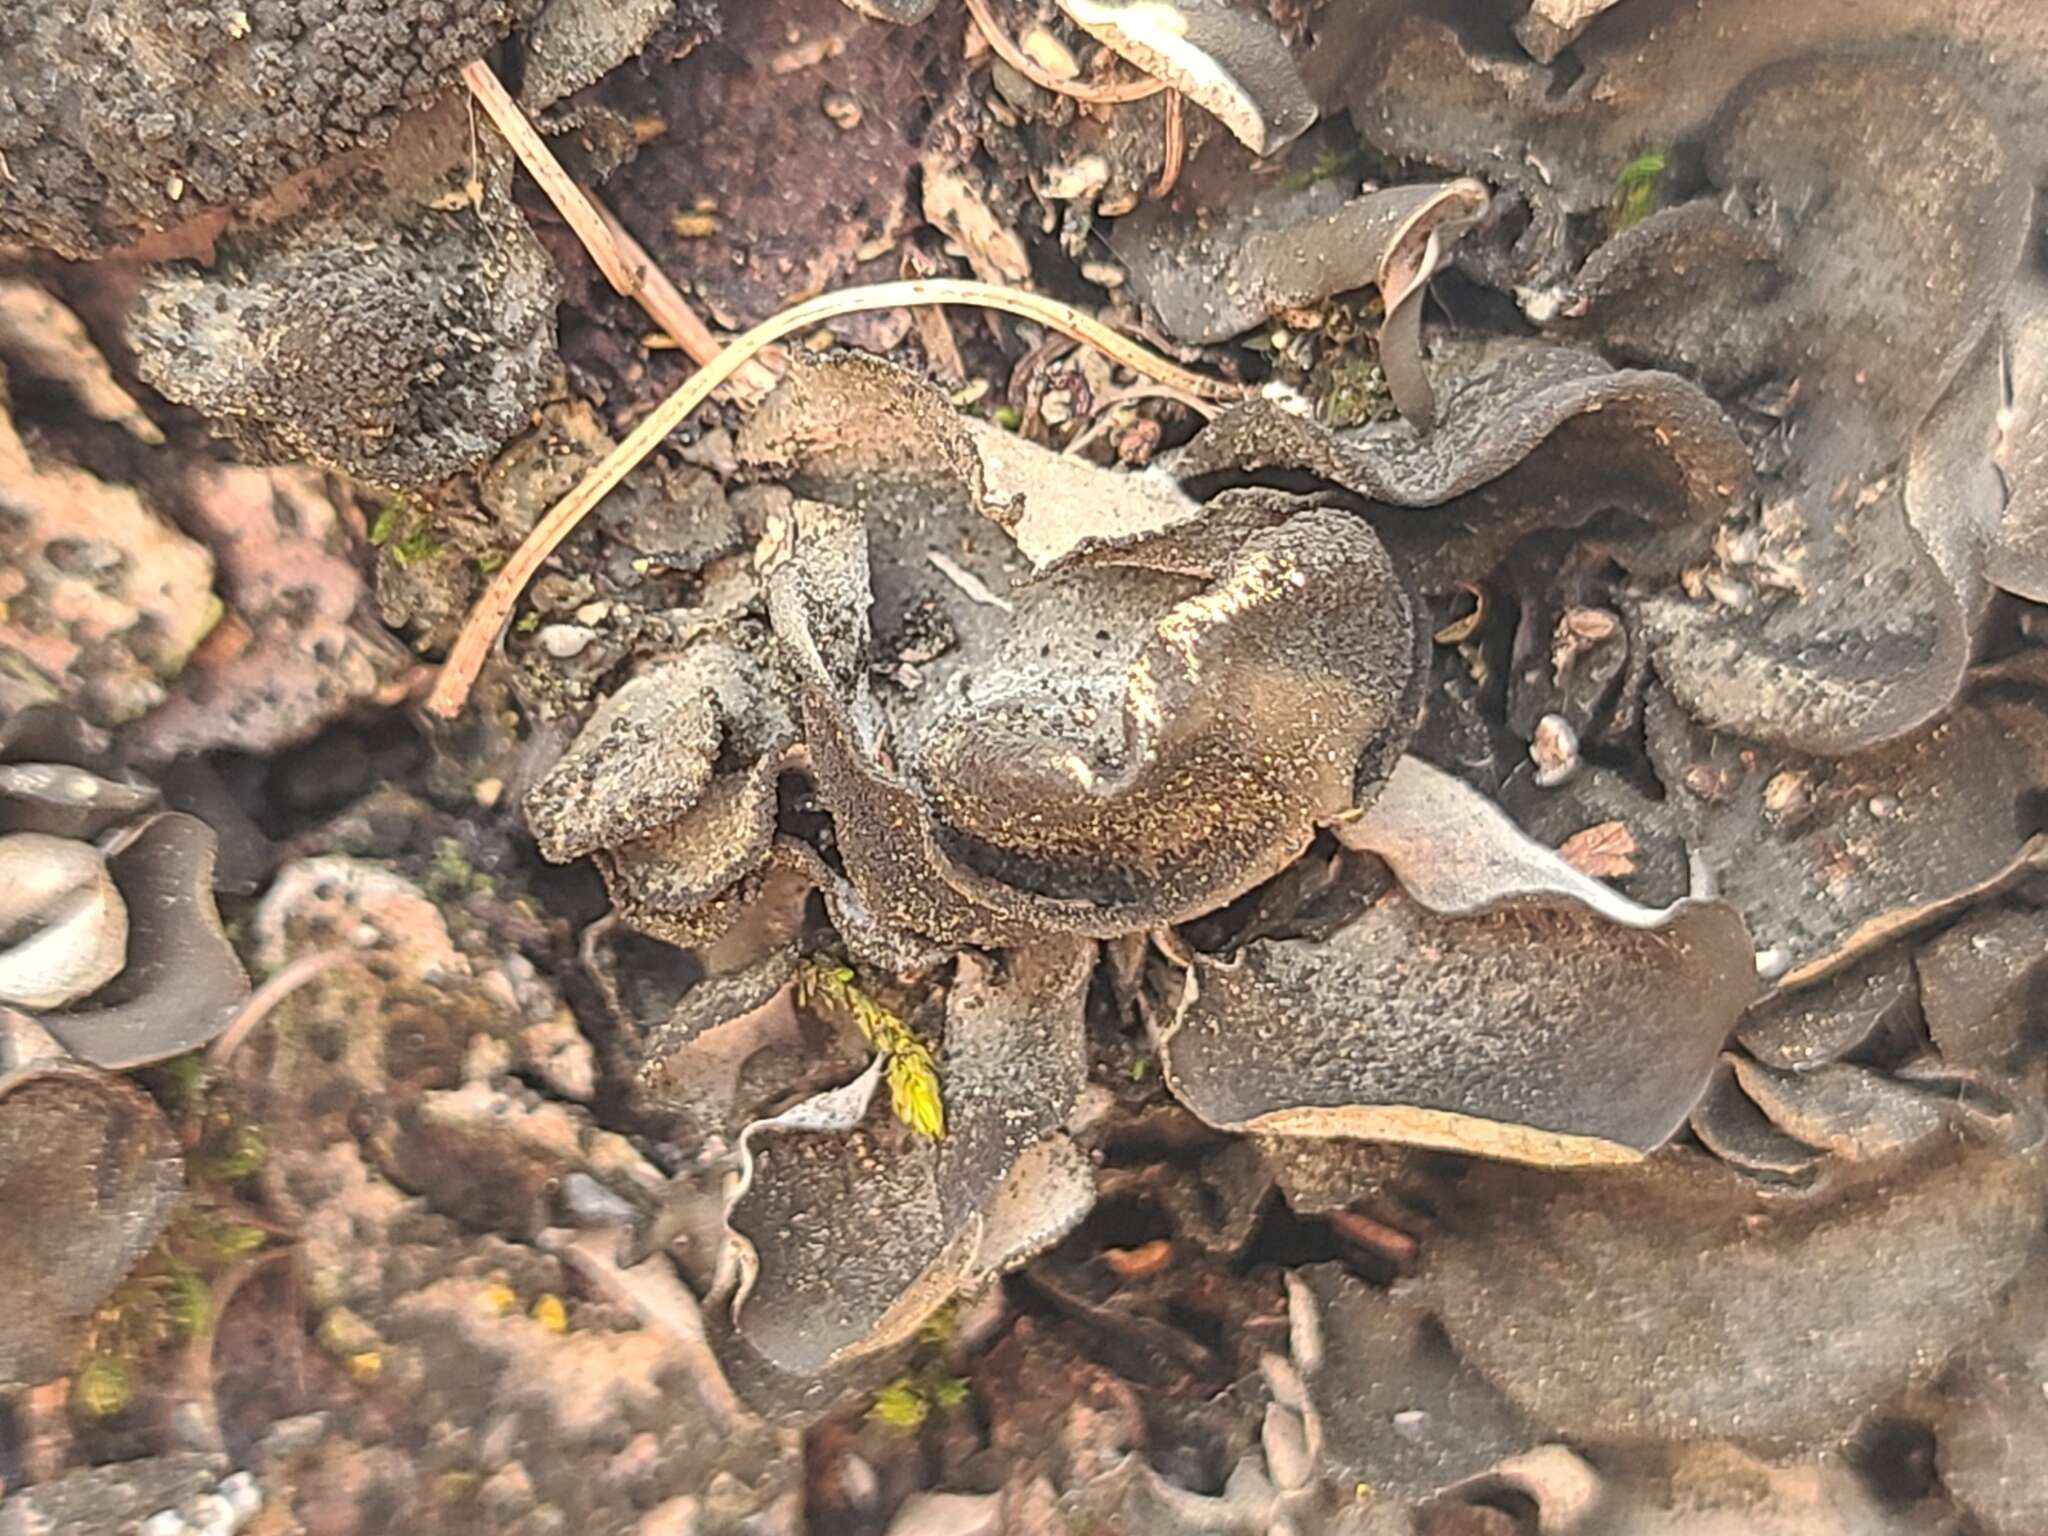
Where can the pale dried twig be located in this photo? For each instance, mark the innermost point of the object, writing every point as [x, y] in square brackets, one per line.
[621, 258]
[972, 586]
[1030, 69]
[488, 618]
[569, 199]
[1176, 145]
[667, 308]
[259, 1004]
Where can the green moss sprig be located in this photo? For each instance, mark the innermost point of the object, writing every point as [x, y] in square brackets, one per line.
[914, 1092]
[168, 1299]
[1636, 189]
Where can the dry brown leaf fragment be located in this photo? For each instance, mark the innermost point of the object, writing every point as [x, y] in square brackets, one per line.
[1606, 851]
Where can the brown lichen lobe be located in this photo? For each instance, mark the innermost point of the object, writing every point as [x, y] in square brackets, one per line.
[1145, 726]
[1035, 697]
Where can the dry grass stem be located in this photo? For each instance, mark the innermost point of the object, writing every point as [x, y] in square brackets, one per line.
[1022, 62]
[488, 618]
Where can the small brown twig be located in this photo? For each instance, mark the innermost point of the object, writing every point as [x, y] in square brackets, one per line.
[621, 258]
[1176, 145]
[487, 619]
[570, 200]
[667, 308]
[1030, 69]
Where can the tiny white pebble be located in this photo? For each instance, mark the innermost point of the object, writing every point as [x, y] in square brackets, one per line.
[563, 641]
[858, 1478]
[165, 1522]
[1555, 751]
[211, 1515]
[243, 1494]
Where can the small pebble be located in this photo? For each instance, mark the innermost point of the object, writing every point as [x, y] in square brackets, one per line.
[1104, 274]
[1729, 592]
[1555, 751]
[563, 641]
[211, 1515]
[591, 1204]
[1884, 807]
[858, 1480]
[1049, 54]
[979, 1320]
[1706, 782]
[1785, 796]
[485, 1059]
[243, 1493]
[842, 109]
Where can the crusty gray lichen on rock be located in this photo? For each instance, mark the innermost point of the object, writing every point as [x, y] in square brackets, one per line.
[386, 320]
[119, 121]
